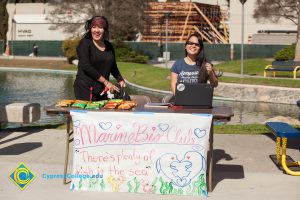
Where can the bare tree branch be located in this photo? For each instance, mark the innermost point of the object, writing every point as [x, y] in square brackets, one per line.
[125, 17]
[273, 10]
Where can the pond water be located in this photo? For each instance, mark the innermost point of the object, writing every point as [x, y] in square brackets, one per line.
[47, 87]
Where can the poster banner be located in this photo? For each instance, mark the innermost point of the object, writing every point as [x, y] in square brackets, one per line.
[140, 152]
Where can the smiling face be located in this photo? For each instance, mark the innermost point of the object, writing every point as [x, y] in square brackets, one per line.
[192, 46]
[97, 33]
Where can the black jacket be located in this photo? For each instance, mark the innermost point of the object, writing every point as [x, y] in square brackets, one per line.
[94, 63]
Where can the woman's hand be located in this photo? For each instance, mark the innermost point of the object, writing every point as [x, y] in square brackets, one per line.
[122, 83]
[209, 68]
[212, 76]
[111, 86]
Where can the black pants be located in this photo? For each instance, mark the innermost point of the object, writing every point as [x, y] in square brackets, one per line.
[82, 93]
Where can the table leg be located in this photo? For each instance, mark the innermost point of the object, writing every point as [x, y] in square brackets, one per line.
[67, 149]
[209, 176]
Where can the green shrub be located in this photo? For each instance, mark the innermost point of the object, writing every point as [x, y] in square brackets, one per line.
[69, 48]
[287, 53]
[140, 59]
[124, 53]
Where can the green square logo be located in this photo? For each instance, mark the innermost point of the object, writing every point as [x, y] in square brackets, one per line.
[22, 176]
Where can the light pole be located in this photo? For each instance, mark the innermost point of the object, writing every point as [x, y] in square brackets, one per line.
[167, 14]
[13, 35]
[242, 43]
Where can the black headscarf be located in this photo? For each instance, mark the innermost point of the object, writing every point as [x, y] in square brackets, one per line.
[88, 26]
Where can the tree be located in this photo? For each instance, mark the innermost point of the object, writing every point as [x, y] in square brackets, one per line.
[125, 17]
[274, 10]
[3, 20]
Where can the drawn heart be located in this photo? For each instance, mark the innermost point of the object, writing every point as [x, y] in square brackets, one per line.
[163, 127]
[76, 123]
[181, 171]
[199, 132]
[181, 181]
[105, 125]
[118, 126]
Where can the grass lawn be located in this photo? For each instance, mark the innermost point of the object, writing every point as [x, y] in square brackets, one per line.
[146, 75]
[251, 66]
[158, 78]
[252, 129]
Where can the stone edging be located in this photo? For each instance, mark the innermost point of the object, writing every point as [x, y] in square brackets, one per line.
[258, 93]
[243, 92]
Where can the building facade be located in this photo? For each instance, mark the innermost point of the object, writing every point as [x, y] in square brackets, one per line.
[28, 21]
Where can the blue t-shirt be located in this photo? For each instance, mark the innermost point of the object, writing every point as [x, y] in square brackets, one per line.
[186, 73]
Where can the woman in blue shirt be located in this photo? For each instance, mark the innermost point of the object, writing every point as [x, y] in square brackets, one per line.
[194, 68]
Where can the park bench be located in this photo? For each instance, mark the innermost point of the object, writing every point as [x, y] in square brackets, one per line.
[283, 131]
[22, 113]
[283, 66]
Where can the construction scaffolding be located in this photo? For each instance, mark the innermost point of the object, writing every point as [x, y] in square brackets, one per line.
[183, 18]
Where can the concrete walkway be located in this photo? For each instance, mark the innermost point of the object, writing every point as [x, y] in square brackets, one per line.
[242, 170]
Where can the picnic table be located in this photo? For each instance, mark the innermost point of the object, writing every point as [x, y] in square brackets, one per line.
[283, 131]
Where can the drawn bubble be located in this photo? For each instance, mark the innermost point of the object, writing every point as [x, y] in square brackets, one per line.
[105, 125]
[197, 148]
[199, 133]
[76, 142]
[76, 123]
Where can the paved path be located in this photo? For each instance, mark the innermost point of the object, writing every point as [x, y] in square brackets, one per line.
[242, 170]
